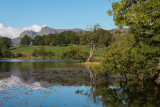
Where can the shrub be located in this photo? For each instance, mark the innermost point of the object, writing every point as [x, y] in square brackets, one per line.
[74, 54]
[35, 52]
[5, 53]
[41, 52]
[19, 55]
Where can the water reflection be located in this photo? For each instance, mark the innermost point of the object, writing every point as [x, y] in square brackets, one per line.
[69, 84]
[133, 94]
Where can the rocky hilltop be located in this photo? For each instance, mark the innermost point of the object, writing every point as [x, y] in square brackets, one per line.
[122, 30]
[30, 33]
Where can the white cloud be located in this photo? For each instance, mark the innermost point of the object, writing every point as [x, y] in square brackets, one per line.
[1, 25]
[15, 32]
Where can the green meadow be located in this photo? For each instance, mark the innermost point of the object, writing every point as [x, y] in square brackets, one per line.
[28, 50]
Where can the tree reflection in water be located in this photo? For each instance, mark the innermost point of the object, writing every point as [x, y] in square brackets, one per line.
[123, 93]
[100, 91]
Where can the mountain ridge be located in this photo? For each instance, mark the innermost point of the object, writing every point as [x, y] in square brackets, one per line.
[44, 31]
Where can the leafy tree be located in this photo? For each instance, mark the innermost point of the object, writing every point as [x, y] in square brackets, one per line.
[49, 38]
[97, 37]
[25, 41]
[60, 39]
[5, 44]
[141, 15]
[38, 40]
[71, 37]
[6, 53]
[123, 57]
[141, 53]
[83, 39]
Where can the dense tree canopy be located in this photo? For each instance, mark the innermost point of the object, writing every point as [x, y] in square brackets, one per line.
[142, 16]
[38, 40]
[63, 38]
[5, 44]
[139, 53]
[26, 40]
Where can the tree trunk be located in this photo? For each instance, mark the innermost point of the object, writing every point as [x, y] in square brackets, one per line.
[91, 52]
[91, 75]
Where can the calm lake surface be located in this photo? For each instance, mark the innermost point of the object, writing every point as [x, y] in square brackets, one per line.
[57, 83]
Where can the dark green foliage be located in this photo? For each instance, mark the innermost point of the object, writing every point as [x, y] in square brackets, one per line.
[41, 52]
[71, 37]
[124, 57]
[64, 38]
[74, 54]
[25, 41]
[35, 53]
[60, 39]
[6, 53]
[83, 39]
[49, 38]
[5, 44]
[38, 40]
[139, 52]
[19, 55]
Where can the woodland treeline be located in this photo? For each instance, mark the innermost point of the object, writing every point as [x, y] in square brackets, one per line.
[95, 37]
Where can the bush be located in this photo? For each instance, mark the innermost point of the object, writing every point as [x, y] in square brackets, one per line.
[41, 52]
[74, 54]
[6, 53]
[19, 55]
[35, 53]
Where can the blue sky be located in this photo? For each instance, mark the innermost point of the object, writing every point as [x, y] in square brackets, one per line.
[57, 14]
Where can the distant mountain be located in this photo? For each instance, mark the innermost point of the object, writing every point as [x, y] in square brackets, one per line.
[74, 30]
[16, 41]
[123, 30]
[30, 33]
[47, 30]
[44, 31]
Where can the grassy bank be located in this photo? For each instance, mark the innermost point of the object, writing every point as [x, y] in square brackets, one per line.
[90, 64]
[27, 51]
